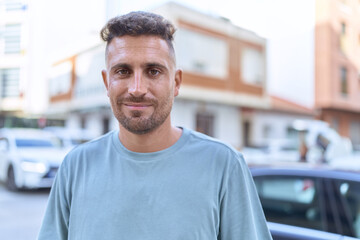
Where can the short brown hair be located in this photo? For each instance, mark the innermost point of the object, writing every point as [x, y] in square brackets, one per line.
[137, 24]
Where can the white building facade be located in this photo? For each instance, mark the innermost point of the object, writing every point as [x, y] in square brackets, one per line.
[13, 58]
[224, 69]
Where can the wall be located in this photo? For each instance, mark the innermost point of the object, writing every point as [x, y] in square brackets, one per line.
[278, 122]
[227, 119]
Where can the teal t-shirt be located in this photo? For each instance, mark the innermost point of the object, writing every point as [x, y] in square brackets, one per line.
[197, 189]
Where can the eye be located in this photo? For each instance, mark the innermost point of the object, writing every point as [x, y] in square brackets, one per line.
[154, 72]
[123, 71]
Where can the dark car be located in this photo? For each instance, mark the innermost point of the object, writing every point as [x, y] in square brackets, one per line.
[305, 201]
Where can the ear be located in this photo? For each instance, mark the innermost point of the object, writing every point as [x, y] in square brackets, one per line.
[105, 80]
[178, 80]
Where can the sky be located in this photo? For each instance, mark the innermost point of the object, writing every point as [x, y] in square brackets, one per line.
[265, 17]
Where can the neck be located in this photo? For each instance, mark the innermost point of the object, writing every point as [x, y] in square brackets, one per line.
[159, 139]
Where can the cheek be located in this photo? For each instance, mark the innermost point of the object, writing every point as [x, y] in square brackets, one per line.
[116, 87]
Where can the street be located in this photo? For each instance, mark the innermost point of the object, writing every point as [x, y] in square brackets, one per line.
[21, 213]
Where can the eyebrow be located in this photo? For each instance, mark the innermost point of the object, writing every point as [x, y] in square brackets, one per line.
[120, 65]
[155, 65]
[146, 65]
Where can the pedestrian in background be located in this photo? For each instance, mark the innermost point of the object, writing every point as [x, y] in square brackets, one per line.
[150, 179]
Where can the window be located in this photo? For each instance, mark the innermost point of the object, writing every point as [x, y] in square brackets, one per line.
[83, 122]
[344, 81]
[246, 133]
[14, 5]
[23, 143]
[355, 134]
[252, 66]
[10, 82]
[343, 28]
[266, 131]
[292, 133]
[88, 65]
[343, 40]
[60, 79]
[200, 53]
[335, 123]
[290, 200]
[205, 123]
[350, 211]
[11, 36]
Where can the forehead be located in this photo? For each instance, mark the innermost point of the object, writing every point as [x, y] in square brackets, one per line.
[129, 49]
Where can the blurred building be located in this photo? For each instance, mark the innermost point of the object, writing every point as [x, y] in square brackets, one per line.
[13, 54]
[337, 65]
[318, 65]
[33, 35]
[77, 92]
[24, 60]
[224, 91]
[262, 126]
[224, 70]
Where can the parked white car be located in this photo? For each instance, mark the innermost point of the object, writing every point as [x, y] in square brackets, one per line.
[29, 158]
[286, 150]
[71, 137]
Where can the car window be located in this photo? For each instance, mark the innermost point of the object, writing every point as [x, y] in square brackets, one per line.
[4, 144]
[78, 141]
[289, 148]
[350, 193]
[290, 200]
[34, 143]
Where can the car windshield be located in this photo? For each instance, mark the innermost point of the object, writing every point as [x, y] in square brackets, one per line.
[34, 143]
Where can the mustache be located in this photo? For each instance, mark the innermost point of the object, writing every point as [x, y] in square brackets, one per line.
[133, 99]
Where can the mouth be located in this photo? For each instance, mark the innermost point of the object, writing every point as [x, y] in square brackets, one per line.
[137, 106]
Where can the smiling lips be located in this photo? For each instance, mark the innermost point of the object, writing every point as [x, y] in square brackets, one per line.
[137, 106]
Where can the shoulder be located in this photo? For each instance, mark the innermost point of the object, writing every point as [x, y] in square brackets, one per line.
[92, 148]
[202, 140]
[215, 148]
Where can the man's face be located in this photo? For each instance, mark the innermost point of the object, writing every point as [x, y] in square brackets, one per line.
[141, 82]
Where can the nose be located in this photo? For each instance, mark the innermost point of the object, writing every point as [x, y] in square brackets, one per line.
[138, 85]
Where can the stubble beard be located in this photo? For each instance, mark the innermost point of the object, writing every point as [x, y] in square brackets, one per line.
[139, 124]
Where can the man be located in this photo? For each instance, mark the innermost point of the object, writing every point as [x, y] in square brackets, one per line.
[150, 180]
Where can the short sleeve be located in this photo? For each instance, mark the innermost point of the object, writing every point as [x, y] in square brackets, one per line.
[241, 214]
[56, 220]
